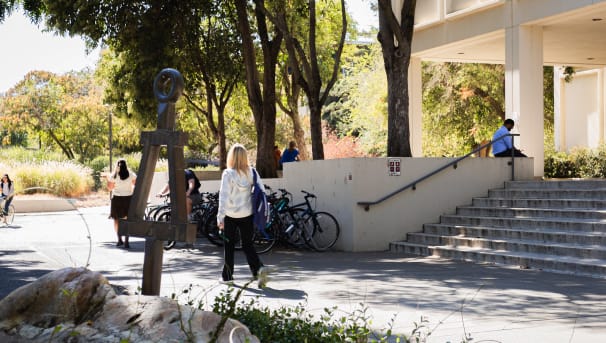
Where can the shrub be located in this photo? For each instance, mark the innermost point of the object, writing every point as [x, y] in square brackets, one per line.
[21, 154]
[578, 163]
[296, 324]
[99, 165]
[60, 178]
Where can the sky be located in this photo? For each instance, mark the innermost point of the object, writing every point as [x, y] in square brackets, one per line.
[25, 47]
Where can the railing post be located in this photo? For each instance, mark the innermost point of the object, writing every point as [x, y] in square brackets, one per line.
[513, 152]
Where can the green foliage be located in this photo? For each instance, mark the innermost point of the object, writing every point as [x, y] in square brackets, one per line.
[296, 324]
[64, 111]
[579, 163]
[359, 106]
[463, 104]
[20, 155]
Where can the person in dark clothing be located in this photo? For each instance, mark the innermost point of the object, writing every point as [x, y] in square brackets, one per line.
[192, 191]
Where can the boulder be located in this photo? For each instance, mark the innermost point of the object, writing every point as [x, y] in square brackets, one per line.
[79, 305]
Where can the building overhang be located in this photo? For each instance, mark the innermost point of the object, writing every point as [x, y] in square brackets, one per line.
[574, 32]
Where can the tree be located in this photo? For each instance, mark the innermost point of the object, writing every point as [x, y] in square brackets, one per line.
[33, 8]
[216, 64]
[147, 36]
[301, 41]
[463, 103]
[396, 28]
[262, 100]
[288, 101]
[359, 107]
[63, 110]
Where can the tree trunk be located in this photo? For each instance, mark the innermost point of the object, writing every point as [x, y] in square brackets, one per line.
[293, 90]
[265, 149]
[395, 37]
[221, 138]
[298, 133]
[398, 132]
[315, 121]
[66, 150]
[262, 102]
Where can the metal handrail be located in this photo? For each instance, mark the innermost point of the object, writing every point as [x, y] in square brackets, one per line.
[453, 164]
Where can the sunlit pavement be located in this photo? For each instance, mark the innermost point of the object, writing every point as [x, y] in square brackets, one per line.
[484, 302]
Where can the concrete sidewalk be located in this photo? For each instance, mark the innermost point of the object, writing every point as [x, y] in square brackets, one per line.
[485, 302]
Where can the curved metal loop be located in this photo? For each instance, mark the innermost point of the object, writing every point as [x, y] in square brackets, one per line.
[176, 85]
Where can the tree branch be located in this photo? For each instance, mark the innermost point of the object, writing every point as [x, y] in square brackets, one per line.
[337, 65]
[392, 21]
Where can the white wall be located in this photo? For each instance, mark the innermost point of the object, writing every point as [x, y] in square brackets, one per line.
[580, 110]
[341, 184]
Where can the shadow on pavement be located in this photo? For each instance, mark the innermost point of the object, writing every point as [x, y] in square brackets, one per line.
[17, 272]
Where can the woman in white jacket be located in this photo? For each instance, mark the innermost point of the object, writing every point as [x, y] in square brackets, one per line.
[236, 213]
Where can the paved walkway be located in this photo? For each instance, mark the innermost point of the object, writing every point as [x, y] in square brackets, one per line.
[486, 302]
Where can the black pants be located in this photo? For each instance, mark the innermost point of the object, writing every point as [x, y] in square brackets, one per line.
[245, 225]
[507, 153]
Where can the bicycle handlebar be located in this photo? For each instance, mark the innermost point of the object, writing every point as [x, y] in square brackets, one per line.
[307, 194]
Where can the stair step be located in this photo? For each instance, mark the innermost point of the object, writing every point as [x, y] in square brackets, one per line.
[598, 194]
[551, 223]
[559, 264]
[515, 245]
[537, 234]
[541, 203]
[531, 212]
[584, 184]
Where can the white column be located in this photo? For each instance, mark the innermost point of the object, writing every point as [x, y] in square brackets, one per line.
[415, 107]
[559, 95]
[524, 89]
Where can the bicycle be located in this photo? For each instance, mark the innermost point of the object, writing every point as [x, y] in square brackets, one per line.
[8, 217]
[318, 230]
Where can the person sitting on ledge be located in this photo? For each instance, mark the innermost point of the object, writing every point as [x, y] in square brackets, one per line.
[504, 147]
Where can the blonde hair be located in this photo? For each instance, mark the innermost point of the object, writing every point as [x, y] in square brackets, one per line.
[238, 159]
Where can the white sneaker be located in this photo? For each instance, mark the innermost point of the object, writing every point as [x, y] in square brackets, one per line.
[228, 283]
[263, 277]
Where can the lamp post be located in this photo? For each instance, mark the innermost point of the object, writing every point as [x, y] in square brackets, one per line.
[110, 140]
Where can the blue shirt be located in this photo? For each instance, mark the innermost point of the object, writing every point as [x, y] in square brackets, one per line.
[289, 156]
[502, 144]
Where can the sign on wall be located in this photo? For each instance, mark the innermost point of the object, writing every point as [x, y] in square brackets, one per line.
[393, 166]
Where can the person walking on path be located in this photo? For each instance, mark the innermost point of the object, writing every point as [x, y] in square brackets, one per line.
[236, 213]
[122, 185]
[291, 154]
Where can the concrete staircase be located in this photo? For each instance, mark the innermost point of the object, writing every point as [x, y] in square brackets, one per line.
[557, 226]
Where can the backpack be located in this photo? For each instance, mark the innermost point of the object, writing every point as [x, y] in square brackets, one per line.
[259, 203]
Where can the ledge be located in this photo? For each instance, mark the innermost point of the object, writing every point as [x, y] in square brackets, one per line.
[42, 205]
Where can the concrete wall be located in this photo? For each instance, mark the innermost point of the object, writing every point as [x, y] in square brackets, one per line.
[340, 184]
[579, 109]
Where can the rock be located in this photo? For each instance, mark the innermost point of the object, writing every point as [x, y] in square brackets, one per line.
[66, 295]
[78, 305]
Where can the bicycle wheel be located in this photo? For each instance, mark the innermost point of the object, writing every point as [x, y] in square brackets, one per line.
[210, 228]
[156, 213]
[264, 240]
[293, 227]
[165, 217]
[10, 216]
[325, 232]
